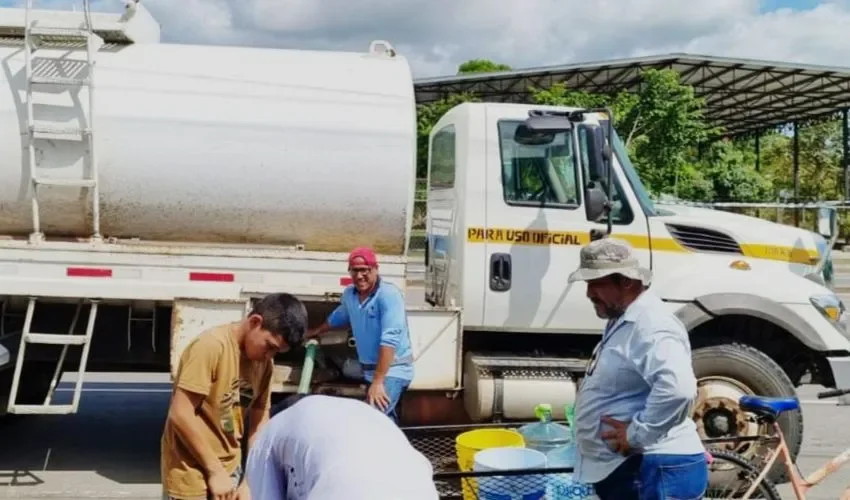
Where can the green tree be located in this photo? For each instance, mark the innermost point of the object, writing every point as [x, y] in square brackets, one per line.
[481, 66]
[658, 124]
[662, 125]
[667, 121]
[820, 161]
[729, 166]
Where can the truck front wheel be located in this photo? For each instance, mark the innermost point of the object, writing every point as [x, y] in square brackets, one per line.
[725, 373]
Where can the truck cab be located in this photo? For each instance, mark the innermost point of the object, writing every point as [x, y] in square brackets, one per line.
[509, 209]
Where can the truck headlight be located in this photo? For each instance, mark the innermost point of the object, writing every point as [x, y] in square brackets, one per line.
[832, 309]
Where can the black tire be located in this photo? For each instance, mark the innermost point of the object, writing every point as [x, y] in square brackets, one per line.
[764, 377]
[747, 473]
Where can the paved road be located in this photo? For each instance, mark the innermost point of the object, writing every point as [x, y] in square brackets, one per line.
[111, 448]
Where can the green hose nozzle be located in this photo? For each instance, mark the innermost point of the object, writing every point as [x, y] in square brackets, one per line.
[307, 370]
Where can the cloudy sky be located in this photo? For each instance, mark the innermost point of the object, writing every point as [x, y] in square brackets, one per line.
[437, 35]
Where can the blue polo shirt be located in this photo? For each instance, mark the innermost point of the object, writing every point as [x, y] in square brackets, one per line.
[380, 320]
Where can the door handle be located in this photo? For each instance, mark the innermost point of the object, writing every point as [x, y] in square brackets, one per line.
[500, 272]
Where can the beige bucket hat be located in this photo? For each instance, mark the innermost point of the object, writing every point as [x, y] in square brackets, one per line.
[608, 256]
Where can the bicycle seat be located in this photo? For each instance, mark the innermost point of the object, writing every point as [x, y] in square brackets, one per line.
[769, 408]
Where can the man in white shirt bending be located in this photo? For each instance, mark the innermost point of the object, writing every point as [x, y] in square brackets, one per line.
[326, 447]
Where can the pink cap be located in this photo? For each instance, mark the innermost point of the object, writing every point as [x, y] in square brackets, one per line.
[364, 253]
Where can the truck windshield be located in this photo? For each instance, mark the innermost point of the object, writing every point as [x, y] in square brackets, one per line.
[634, 179]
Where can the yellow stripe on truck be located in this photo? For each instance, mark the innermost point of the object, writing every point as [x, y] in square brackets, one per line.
[538, 237]
[776, 252]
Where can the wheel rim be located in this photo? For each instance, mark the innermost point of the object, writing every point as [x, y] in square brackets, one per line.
[717, 414]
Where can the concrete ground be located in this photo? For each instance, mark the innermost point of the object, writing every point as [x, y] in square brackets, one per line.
[110, 449]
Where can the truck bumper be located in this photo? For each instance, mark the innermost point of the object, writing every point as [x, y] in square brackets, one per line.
[841, 374]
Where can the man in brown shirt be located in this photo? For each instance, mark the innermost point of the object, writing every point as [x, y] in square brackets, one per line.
[222, 371]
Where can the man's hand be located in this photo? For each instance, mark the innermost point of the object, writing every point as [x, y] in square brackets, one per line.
[243, 492]
[377, 395]
[617, 437]
[220, 485]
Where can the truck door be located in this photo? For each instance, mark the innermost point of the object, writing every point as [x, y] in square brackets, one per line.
[535, 227]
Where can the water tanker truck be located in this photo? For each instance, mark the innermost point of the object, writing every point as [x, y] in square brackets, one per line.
[149, 191]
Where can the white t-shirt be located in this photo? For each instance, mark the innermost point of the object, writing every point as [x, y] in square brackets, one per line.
[326, 447]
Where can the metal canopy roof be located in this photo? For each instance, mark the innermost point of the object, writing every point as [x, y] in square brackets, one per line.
[742, 95]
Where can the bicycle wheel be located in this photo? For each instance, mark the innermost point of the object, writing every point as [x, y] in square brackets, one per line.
[731, 475]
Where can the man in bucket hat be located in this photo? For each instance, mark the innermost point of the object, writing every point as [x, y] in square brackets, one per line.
[636, 439]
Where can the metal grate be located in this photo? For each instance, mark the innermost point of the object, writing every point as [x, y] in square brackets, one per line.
[437, 443]
[529, 368]
[704, 240]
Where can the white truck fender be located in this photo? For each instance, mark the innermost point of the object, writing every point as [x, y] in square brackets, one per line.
[781, 298]
[707, 307]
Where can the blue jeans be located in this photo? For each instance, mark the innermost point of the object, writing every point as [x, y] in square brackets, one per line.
[395, 388]
[656, 477]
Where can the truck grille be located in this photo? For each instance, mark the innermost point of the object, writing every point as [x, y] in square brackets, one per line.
[703, 240]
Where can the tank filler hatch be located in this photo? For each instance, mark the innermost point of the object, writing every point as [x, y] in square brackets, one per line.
[134, 25]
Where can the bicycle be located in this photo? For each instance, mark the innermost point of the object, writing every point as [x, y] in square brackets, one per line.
[767, 411]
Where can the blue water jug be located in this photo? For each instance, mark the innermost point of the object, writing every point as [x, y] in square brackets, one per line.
[545, 435]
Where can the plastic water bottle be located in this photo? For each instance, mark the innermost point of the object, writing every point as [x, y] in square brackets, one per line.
[545, 435]
[562, 486]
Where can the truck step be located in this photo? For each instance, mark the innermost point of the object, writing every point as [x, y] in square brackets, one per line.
[61, 33]
[59, 80]
[58, 132]
[42, 409]
[42, 181]
[65, 340]
[55, 339]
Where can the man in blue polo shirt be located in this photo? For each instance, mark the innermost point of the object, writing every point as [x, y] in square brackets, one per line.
[375, 311]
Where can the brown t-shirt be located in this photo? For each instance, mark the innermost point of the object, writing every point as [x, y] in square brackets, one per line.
[212, 365]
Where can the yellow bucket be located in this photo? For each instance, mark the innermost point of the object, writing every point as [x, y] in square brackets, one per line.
[471, 442]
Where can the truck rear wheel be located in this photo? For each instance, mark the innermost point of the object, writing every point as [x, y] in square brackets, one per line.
[725, 373]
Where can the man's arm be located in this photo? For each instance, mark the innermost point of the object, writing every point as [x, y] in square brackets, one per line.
[337, 319]
[393, 323]
[663, 359]
[194, 379]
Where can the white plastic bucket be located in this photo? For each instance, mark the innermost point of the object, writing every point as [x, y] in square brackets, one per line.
[521, 487]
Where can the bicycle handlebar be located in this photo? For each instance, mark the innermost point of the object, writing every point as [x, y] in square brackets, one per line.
[833, 393]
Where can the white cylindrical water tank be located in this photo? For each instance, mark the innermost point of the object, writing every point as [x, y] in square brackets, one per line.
[219, 144]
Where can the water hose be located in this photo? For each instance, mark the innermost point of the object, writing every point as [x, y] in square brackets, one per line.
[307, 370]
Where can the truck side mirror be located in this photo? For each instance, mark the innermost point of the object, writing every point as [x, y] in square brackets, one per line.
[595, 188]
[601, 154]
[827, 222]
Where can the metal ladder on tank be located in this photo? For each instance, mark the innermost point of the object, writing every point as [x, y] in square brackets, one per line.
[66, 341]
[34, 35]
